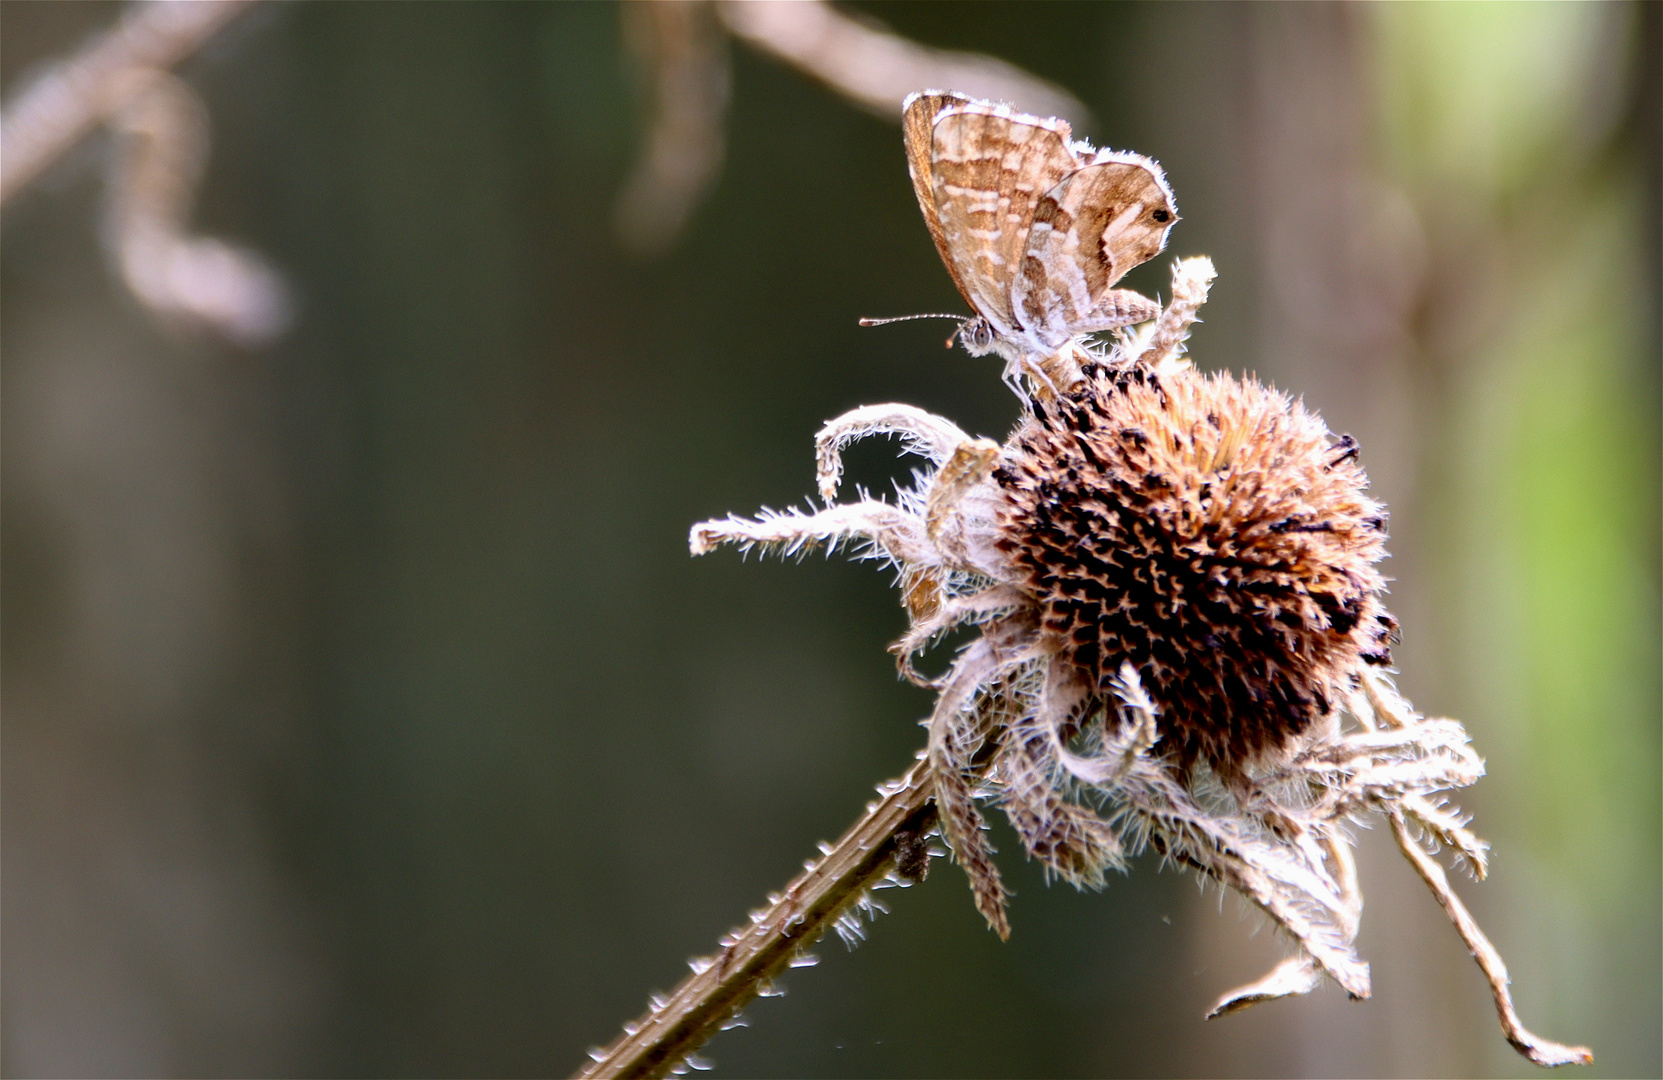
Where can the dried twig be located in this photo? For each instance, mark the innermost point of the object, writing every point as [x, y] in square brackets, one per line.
[161, 129]
[877, 68]
[685, 54]
[66, 103]
[887, 843]
[1542, 1051]
[682, 46]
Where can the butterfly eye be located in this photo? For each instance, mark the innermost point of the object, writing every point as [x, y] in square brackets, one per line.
[1161, 216]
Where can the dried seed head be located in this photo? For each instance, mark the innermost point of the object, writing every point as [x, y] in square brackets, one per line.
[1191, 559]
[1213, 533]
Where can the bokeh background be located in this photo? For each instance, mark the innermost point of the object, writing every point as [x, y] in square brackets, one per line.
[365, 715]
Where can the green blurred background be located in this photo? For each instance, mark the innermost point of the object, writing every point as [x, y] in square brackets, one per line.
[365, 715]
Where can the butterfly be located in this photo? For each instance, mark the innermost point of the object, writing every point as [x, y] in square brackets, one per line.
[1034, 227]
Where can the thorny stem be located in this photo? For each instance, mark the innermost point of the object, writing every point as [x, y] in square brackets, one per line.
[1541, 1051]
[891, 830]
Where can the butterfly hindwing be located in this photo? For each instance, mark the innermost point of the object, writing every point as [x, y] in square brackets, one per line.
[1095, 224]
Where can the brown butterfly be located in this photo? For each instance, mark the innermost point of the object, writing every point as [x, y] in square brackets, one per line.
[1034, 227]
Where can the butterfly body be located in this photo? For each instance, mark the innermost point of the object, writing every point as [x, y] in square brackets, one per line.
[1034, 227]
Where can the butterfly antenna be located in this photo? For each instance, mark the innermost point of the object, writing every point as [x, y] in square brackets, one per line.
[907, 318]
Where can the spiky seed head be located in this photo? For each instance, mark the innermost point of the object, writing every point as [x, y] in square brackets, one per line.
[1212, 532]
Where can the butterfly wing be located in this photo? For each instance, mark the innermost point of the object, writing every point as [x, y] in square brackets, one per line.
[989, 169]
[1097, 223]
[917, 123]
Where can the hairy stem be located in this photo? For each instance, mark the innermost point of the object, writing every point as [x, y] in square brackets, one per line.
[891, 830]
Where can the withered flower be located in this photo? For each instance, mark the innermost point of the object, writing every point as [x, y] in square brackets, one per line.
[1181, 643]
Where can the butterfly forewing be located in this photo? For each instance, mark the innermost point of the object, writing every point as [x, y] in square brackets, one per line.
[990, 170]
[1097, 223]
[917, 128]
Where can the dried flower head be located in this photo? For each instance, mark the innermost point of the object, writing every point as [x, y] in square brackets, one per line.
[1181, 643]
[1211, 533]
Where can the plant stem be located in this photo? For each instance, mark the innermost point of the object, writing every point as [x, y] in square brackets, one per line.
[893, 828]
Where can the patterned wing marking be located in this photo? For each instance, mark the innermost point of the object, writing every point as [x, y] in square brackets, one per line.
[990, 169]
[917, 121]
[1087, 231]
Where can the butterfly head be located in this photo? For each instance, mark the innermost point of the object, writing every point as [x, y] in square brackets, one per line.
[977, 336]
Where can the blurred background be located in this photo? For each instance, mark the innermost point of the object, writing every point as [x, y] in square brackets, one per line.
[364, 713]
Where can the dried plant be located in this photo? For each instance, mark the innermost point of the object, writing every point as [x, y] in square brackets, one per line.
[1180, 646]
[161, 129]
[120, 80]
[680, 45]
[681, 48]
[71, 98]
